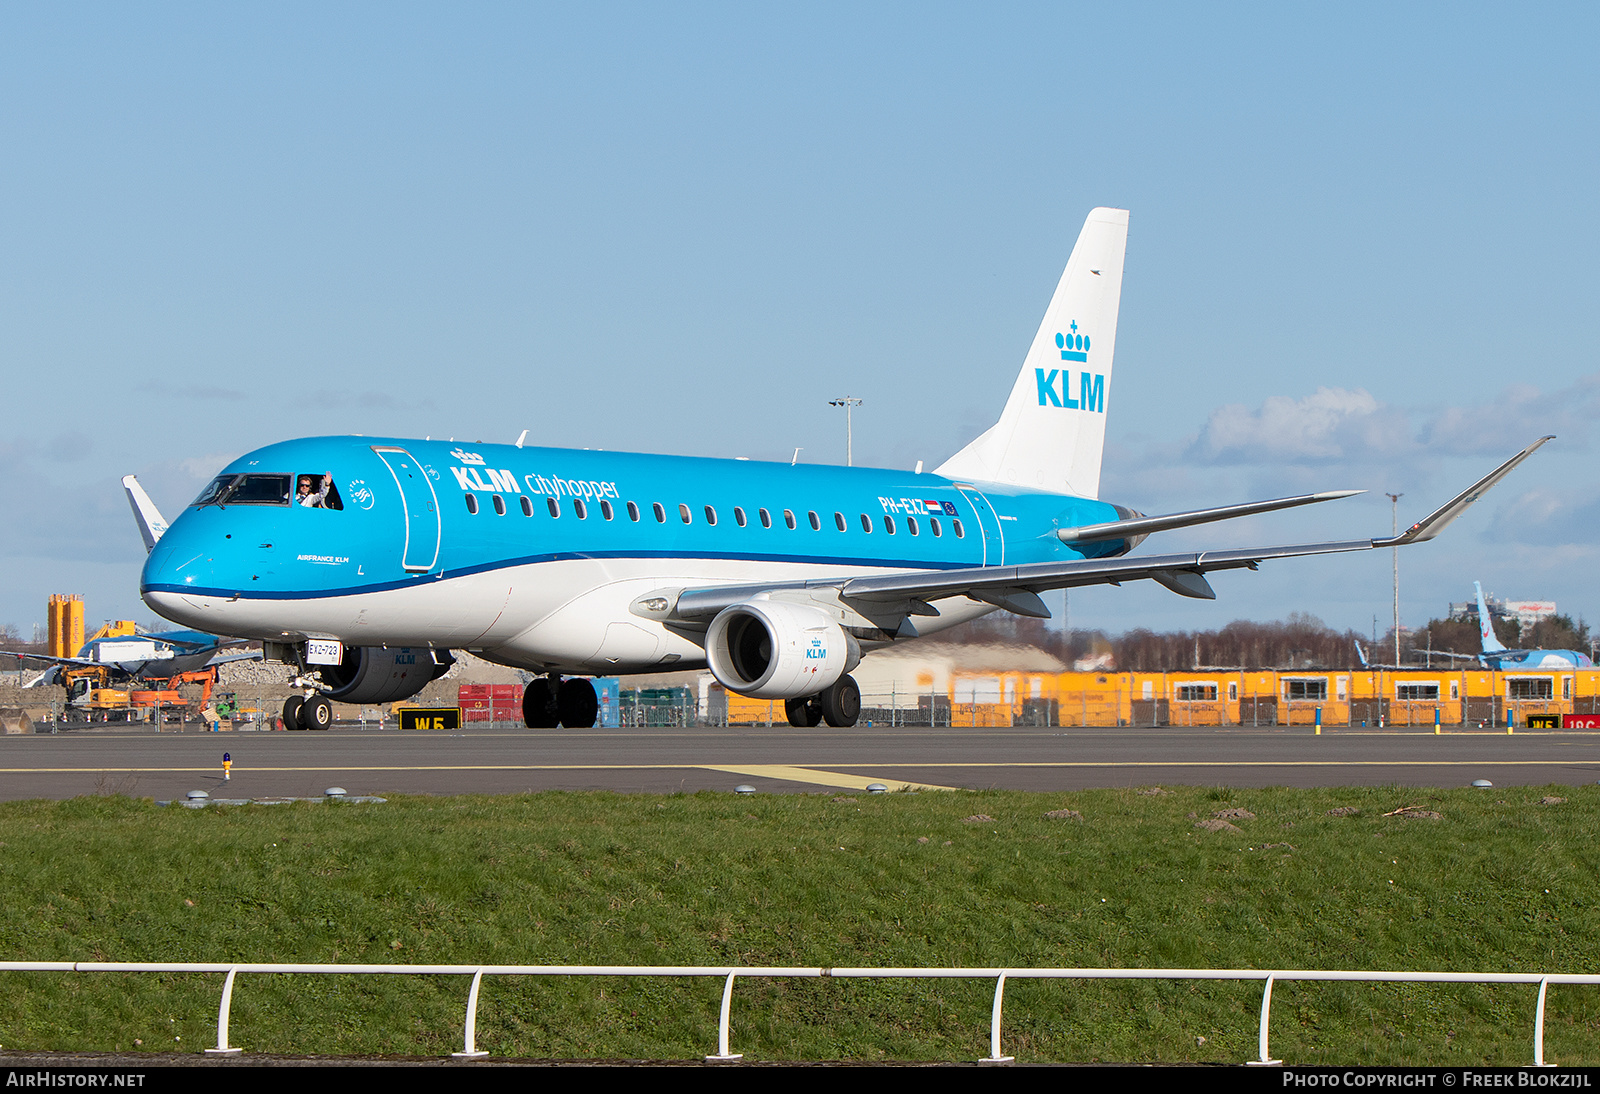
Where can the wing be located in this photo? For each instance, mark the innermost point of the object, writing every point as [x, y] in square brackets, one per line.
[81, 662]
[1017, 588]
[242, 655]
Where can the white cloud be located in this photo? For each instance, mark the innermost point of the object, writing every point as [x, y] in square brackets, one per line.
[1331, 424]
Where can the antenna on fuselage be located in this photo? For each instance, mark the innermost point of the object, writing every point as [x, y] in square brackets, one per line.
[522, 438]
[796, 457]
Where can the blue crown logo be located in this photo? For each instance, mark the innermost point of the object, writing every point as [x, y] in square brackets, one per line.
[1074, 346]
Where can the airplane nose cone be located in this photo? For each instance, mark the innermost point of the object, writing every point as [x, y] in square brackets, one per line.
[171, 570]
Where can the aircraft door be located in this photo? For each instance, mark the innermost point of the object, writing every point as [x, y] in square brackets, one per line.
[994, 539]
[421, 506]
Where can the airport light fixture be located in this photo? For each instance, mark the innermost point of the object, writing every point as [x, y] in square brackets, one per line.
[849, 403]
[1394, 517]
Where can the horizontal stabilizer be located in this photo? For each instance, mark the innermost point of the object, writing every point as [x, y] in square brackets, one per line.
[1143, 526]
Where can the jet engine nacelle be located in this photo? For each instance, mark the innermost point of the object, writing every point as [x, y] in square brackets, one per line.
[369, 674]
[769, 649]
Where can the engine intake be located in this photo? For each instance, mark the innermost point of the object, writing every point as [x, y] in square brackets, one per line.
[769, 649]
[370, 674]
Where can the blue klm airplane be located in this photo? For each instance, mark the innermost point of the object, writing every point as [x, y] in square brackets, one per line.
[363, 562]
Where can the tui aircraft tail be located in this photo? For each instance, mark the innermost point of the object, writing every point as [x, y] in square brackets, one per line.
[1053, 428]
[1491, 644]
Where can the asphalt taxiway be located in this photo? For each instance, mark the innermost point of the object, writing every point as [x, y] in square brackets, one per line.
[511, 761]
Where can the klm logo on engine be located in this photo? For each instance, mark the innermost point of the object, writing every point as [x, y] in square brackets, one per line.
[816, 651]
[1091, 386]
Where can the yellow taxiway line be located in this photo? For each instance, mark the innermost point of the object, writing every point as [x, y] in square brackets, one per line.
[821, 778]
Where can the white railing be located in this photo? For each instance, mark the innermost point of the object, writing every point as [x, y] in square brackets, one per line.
[729, 974]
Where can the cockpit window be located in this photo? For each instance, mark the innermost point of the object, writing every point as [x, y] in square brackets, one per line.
[316, 492]
[246, 490]
[214, 490]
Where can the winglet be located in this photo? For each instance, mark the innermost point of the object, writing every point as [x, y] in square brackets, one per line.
[1440, 518]
[151, 524]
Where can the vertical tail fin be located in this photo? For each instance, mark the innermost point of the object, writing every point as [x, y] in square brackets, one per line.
[151, 524]
[1491, 644]
[1053, 428]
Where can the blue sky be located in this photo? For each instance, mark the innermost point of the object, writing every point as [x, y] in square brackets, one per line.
[1362, 254]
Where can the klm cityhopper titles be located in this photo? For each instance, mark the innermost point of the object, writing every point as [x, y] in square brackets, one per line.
[364, 562]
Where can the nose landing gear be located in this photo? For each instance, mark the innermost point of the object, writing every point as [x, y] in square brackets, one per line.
[307, 712]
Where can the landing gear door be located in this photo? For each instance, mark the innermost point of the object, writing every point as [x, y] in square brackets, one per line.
[994, 540]
[421, 509]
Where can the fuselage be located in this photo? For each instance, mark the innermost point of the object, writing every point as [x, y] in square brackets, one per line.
[1512, 660]
[532, 556]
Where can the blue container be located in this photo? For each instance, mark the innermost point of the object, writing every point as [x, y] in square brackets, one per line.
[608, 689]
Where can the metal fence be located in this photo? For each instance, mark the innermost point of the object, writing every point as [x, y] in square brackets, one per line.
[729, 974]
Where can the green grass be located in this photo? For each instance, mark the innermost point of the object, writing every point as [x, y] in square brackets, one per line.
[1500, 883]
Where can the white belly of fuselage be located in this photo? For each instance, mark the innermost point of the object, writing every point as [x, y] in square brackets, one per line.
[570, 615]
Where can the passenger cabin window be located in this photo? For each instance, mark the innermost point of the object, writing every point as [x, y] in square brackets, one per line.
[683, 512]
[579, 508]
[738, 516]
[527, 506]
[888, 524]
[633, 511]
[311, 491]
[866, 523]
[961, 533]
[605, 509]
[911, 525]
[766, 518]
[839, 522]
[660, 512]
[816, 524]
[788, 518]
[472, 504]
[933, 526]
[553, 506]
[711, 516]
[499, 505]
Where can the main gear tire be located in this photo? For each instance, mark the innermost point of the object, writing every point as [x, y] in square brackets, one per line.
[539, 705]
[804, 713]
[291, 712]
[841, 703]
[578, 704]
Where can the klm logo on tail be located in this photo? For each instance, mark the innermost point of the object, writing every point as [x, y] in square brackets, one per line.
[1091, 386]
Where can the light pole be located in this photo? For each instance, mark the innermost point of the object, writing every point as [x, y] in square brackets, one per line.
[849, 403]
[1394, 502]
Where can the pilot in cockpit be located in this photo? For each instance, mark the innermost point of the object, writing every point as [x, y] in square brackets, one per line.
[313, 495]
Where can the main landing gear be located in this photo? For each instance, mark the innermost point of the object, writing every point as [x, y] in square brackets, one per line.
[550, 701]
[839, 706]
[307, 712]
